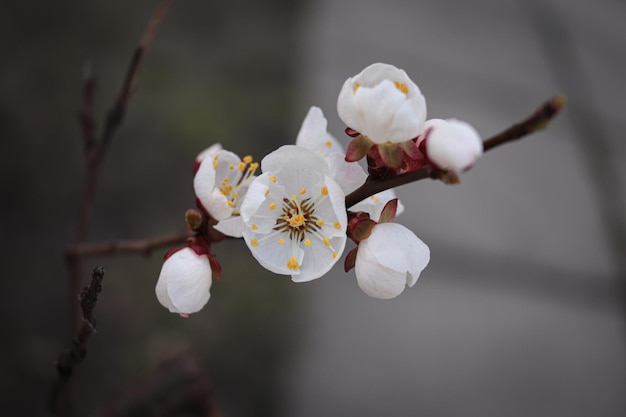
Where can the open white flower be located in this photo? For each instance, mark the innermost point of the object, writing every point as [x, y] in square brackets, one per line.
[391, 258]
[184, 283]
[383, 104]
[294, 215]
[452, 144]
[221, 182]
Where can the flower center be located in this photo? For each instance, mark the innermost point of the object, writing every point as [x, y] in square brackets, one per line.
[297, 218]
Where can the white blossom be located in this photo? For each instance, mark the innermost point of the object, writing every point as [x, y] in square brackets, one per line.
[391, 258]
[383, 104]
[452, 144]
[294, 215]
[221, 182]
[184, 283]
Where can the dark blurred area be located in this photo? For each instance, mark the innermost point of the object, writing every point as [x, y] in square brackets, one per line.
[217, 72]
[521, 311]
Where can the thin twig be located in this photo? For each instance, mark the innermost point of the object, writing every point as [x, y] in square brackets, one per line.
[536, 121]
[60, 401]
[140, 246]
[96, 151]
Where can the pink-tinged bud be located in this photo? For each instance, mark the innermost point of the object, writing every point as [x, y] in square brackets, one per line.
[184, 283]
[452, 144]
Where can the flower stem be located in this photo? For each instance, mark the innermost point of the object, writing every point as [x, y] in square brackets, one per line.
[537, 121]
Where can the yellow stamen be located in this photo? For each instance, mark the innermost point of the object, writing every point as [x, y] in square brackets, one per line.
[334, 255]
[272, 206]
[231, 204]
[337, 225]
[215, 162]
[375, 199]
[307, 242]
[324, 190]
[241, 167]
[355, 87]
[296, 221]
[267, 191]
[302, 191]
[293, 264]
[273, 178]
[328, 144]
[326, 241]
[281, 241]
[254, 227]
[320, 222]
[231, 167]
[247, 159]
[402, 87]
[254, 242]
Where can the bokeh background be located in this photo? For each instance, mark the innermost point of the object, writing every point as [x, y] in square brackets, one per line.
[521, 310]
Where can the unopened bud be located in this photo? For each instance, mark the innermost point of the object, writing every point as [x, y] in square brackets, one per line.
[193, 218]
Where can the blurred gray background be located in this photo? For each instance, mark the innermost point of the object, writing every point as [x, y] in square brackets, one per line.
[521, 310]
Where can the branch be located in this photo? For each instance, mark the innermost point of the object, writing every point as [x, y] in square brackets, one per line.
[141, 246]
[95, 149]
[60, 402]
[537, 121]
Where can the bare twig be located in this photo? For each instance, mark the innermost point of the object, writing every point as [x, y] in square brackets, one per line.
[97, 149]
[60, 402]
[537, 121]
[94, 154]
[140, 246]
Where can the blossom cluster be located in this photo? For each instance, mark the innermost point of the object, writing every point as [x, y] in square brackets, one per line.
[292, 214]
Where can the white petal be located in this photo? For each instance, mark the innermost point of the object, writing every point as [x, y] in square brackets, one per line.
[272, 255]
[313, 134]
[318, 258]
[453, 145]
[390, 258]
[349, 175]
[232, 226]
[255, 196]
[301, 165]
[375, 204]
[375, 279]
[217, 206]
[184, 282]
[209, 152]
[204, 181]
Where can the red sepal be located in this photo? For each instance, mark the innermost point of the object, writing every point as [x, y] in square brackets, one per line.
[216, 268]
[350, 260]
[359, 226]
[358, 148]
[391, 154]
[171, 252]
[389, 211]
[351, 132]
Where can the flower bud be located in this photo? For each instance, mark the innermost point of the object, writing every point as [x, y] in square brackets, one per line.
[391, 258]
[184, 283]
[383, 104]
[452, 144]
